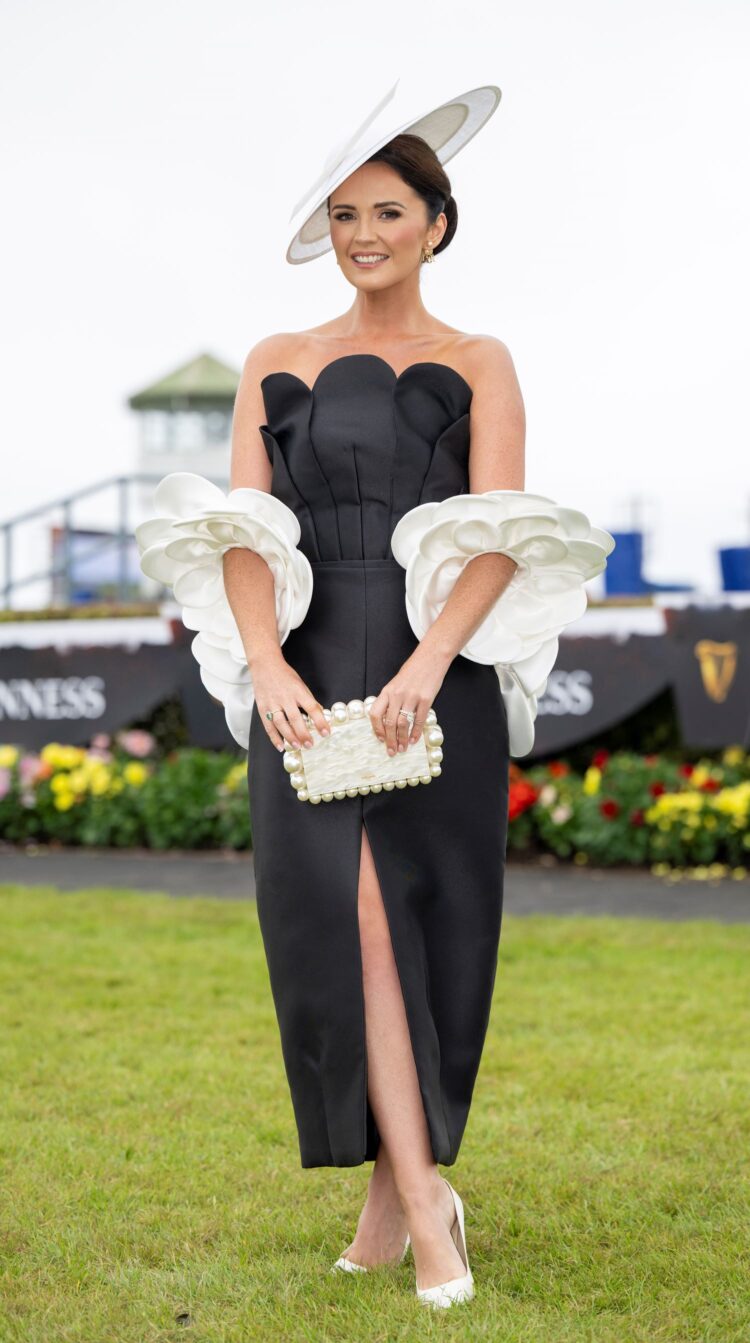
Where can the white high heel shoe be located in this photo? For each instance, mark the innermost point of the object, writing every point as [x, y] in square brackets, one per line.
[455, 1289]
[349, 1266]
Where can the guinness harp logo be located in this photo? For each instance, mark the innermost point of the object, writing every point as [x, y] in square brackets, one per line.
[718, 664]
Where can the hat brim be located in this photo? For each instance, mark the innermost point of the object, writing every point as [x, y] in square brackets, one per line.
[446, 129]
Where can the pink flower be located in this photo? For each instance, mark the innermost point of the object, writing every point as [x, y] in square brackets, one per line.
[28, 769]
[4, 781]
[101, 741]
[136, 742]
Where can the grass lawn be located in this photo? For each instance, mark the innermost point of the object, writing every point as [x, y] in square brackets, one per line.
[150, 1180]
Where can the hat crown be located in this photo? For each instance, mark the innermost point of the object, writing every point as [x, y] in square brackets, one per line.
[343, 149]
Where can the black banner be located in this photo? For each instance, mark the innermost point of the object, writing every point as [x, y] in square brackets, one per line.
[48, 694]
[709, 654]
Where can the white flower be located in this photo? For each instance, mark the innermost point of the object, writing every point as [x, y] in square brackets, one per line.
[561, 814]
[547, 794]
[556, 550]
[183, 547]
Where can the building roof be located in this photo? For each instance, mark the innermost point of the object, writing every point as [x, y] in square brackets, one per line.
[203, 379]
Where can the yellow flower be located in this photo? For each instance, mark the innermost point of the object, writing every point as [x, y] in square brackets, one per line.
[734, 755]
[100, 781]
[699, 776]
[591, 780]
[63, 801]
[235, 776]
[135, 773]
[8, 756]
[62, 757]
[733, 801]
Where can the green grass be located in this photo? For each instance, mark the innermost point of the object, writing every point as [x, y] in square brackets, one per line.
[150, 1162]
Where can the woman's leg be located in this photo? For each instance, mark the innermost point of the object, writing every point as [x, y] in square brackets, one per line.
[406, 1189]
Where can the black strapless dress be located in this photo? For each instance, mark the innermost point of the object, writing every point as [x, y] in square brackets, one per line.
[350, 456]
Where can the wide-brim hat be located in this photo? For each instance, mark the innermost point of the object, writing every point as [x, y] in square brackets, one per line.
[446, 129]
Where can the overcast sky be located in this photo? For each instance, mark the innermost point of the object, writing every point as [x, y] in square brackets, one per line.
[152, 152]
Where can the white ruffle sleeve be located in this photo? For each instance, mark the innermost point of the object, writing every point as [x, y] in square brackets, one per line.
[556, 550]
[183, 547]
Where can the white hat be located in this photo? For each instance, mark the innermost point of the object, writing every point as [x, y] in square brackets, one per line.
[446, 129]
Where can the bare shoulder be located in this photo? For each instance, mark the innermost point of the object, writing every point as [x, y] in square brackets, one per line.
[272, 354]
[491, 361]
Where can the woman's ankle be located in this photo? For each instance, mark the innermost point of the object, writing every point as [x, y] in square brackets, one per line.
[425, 1195]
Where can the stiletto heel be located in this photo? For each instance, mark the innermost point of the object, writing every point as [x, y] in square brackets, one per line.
[349, 1266]
[456, 1289]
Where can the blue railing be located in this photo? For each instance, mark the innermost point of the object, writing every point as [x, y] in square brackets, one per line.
[61, 572]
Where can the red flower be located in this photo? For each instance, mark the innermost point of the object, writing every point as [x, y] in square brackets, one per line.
[558, 768]
[636, 817]
[600, 759]
[650, 759]
[609, 808]
[521, 796]
[686, 770]
[711, 786]
[656, 789]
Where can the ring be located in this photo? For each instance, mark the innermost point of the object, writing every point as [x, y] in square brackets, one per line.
[270, 713]
[409, 714]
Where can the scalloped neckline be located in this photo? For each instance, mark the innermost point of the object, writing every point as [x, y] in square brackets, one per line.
[421, 363]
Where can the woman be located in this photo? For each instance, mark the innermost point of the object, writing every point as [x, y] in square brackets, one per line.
[381, 912]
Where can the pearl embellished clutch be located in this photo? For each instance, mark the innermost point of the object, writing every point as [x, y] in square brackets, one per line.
[352, 760]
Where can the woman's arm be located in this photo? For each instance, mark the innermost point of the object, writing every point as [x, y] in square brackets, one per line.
[496, 462]
[248, 581]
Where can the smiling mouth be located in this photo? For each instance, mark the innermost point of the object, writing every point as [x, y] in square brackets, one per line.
[373, 259]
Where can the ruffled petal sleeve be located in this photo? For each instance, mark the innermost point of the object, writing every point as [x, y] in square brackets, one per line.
[556, 551]
[183, 547]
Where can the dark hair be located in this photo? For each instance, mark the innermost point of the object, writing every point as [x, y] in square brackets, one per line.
[419, 166]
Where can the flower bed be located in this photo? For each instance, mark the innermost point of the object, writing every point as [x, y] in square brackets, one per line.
[117, 794]
[643, 811]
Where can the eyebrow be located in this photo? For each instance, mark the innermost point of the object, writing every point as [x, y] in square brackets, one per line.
[378, 205]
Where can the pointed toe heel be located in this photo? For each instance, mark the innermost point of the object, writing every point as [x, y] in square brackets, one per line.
[345, 1265]
[455, 1289]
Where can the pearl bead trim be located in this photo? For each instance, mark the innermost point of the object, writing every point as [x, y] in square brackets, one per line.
[352, 761]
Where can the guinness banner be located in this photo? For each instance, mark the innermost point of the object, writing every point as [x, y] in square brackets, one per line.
[48, 694]
[709, 669]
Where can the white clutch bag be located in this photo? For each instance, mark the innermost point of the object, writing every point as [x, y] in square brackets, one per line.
[352, 760]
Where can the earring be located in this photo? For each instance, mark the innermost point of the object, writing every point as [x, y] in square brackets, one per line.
[427, 254]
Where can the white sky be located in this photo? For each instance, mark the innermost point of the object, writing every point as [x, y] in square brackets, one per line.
[151, 154]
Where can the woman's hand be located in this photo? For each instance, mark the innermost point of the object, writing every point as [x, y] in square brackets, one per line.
[278, 687]
[414, 687]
